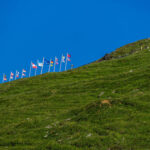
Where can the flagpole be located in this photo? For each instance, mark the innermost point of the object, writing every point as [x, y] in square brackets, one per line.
[37, 66]
[30, 69]
[35, 71]
[21, 74]
[66, 62]
[49, 69]
[9, 77]
[15, 75]
[42, 66]
[71, 66]
[60, 63]
[3, 78]
[54, 63]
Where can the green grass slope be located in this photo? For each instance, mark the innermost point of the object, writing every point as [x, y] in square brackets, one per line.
[63, 111]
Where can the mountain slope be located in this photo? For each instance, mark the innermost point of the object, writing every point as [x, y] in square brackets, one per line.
[64, 111]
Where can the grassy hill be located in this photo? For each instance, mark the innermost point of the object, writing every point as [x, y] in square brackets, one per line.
[63, 111]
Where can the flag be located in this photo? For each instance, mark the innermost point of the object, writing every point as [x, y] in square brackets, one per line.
[17, 74]
[68, 59]
[56, 61]
[63, 59]
[40, 64]
[52, 62]
[23, 70]
[5, 78]
[23, 74]
[34, 66]
[68, 55]
[11, 74]
[47, 61]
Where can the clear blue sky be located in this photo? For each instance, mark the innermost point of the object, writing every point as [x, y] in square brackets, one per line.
[87, 29]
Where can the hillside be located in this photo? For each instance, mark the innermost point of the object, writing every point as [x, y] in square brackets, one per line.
[63, 111]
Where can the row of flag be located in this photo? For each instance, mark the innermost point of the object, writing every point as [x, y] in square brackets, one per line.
[35, 66]
[16, 75]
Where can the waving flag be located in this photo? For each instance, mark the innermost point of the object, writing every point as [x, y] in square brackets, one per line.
[23, 74]
[34, 66]
[68, 55]
[68, 59]
[23, 70]
[47, 61]
[17, 74]
[52, 63]
[11, 74]
[40, 64]
[63, 59]
[56, 61]
[5, 78]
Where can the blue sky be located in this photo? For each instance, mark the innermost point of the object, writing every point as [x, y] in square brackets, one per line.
[87, 29]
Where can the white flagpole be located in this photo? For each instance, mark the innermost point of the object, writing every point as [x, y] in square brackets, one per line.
[42, 66]
[35, 71]
[30, 69]
[66, 62]
[3, 78]
[37, 66]
[21, 73]
[71, 66]
[49, 69]
[9, 77]
[60, 63]
[54, 63]
[15, 74]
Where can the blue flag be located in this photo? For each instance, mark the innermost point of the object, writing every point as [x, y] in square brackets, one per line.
[47, 61]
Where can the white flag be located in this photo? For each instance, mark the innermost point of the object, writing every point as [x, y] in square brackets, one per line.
[40, 64]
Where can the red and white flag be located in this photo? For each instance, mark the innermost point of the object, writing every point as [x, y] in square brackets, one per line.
[23, 74]
[34, 66]
[23, 70]
[56, 61]
[68, 59]
[68, 55]
[12, 74]
[17, 74]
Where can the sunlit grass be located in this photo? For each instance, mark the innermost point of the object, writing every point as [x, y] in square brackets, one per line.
[63, 111]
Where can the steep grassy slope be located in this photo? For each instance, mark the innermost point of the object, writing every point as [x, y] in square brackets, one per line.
[63, 111]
